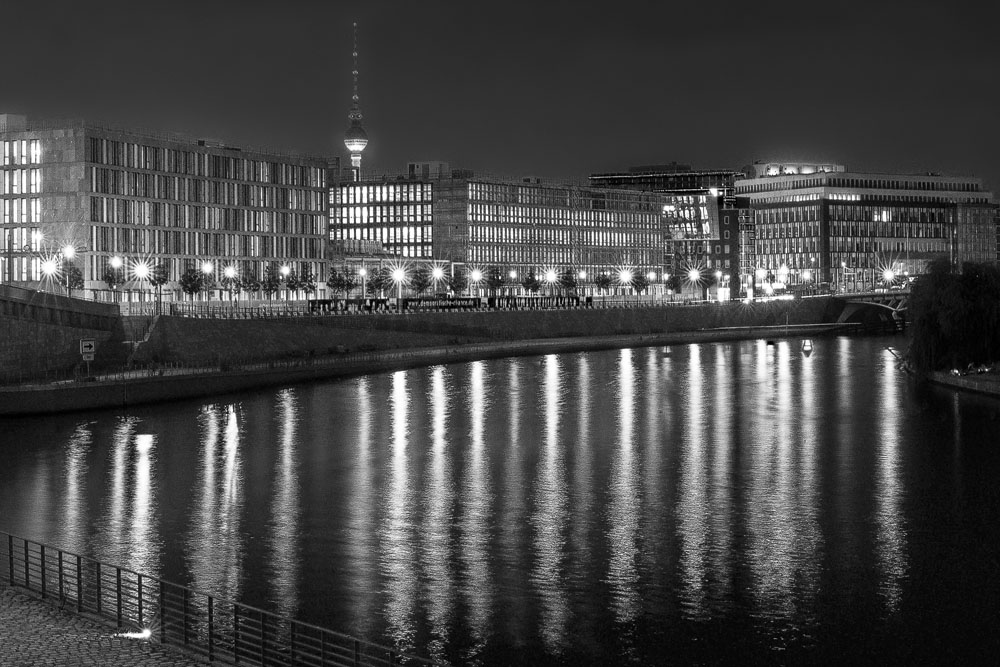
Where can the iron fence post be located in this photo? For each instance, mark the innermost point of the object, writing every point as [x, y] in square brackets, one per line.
[79, 584]
[118, 570]
[211, 629]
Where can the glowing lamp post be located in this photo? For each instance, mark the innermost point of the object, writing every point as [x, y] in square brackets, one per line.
[116, 264]
[49, 268]
[363, 272]
[550, 278]
[476, 276]
[285, 270]
[206, 272]
[625, 279]
[141, 271]
[437, 274]
[230, 273]
[399, 277]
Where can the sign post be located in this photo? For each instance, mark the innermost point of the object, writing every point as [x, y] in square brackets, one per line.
[88, 347]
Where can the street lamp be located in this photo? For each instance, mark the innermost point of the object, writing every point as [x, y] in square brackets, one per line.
[550, 278]
[116, 264]
[476, 276]
[363, 272]
[206, 271]
[399, 277]
[284, 271]
[230, 274]
[141, 270]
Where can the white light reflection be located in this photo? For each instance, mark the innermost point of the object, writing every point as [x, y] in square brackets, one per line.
[720, 416]
[770, 521]
[474, 541]
[285, 510]
[890, 539]
[76, 474]
[623, 576]
[396, 535]
[436, 554]
[549, 518]
[514, 532]
[361, 503]
[215, 544]
[145, 549]
[582, 485]
[692, 506]
[111, 538]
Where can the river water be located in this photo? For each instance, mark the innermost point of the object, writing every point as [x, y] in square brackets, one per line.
[724, 503]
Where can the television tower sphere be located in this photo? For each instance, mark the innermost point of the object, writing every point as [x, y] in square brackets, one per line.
[355, 139]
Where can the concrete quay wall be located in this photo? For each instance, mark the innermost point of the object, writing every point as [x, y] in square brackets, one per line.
[214, 341]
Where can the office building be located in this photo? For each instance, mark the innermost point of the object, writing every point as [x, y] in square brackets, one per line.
[91, 195]
[821, 222]
[519, 226]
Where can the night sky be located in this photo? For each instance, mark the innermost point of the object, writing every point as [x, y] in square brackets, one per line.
[552, 89]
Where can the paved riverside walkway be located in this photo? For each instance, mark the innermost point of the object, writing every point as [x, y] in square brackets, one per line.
[36, 633]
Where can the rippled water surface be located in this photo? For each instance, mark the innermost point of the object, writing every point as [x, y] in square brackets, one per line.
[733, 503]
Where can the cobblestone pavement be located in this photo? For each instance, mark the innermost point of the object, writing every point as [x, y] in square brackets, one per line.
[36, 633]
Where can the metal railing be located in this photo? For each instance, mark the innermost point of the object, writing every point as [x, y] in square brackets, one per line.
[213, 628]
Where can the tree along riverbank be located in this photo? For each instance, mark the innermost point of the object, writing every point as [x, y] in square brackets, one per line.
[122, 390]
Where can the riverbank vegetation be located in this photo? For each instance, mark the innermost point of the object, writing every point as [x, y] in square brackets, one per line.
[955, 317]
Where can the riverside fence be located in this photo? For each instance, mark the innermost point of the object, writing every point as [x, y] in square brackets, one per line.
[211, 627]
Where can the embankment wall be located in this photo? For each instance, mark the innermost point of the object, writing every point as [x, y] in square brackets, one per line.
[213, 341]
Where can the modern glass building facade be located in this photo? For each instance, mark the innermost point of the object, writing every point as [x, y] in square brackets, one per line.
[155, 199]
[516, 226]
[847, 228]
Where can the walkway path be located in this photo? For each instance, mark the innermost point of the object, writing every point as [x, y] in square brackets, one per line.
[35, 633]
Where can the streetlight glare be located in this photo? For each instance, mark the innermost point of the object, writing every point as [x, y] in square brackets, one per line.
[49, 267]
[362, 272]
[888, 275]
[230, 272]
[115, 262]
[206, 267]
[285, 270]
[141, 270]
[651, 275]
[438, 273]
[68, 251]
[550, 276]
[694, 275]
[477, 275]
[625, 276]
[398, 275]
[512, 274]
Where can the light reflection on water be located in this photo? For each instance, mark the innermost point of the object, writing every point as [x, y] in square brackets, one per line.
[587, 507]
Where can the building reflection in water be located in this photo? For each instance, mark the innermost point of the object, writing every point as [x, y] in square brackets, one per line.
[359, 538]
[782, 513]
[284, 534]
[215, 544]
[144, 546]
[692, 503]
[720, 417]
[549, 517]
[623, 513]
[110, 543]
[73, 533]
[476, 515]
[440, 496]
[397, 532]
[890, 539]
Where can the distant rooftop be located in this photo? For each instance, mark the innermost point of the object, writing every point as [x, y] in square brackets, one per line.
[23, 123]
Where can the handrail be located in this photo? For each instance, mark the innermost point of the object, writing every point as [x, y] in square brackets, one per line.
[214, 628]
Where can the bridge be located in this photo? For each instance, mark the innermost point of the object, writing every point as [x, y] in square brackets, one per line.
[876, 309]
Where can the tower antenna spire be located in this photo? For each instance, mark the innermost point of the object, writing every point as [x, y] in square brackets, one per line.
[355, 139]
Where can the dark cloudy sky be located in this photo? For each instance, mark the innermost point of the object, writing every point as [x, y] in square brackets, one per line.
[543, 88]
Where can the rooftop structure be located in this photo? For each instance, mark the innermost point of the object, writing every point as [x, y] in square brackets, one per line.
[355, 139]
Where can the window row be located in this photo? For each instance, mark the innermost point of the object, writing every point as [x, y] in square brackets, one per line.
[22, 151]
[383, 193]
[179, 188]
[20, 181]
[198, 163]
[20, 211]
[161, 214]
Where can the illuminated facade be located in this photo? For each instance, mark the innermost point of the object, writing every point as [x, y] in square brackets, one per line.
[708, 196]
[159, 200]
[516, 226]
[847, 228]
